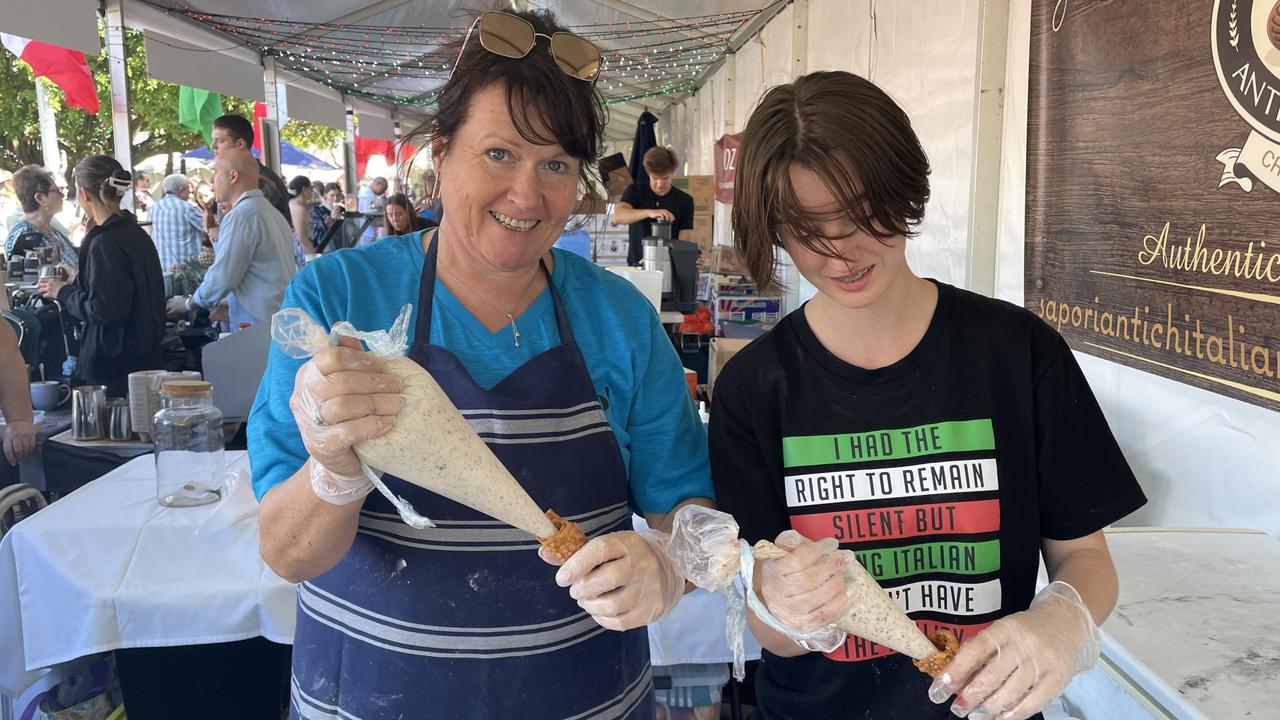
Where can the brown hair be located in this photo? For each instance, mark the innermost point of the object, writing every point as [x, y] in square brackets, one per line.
[236, 126]
[403, 201]
[849, 133]
[102, 177]
[547, 106]
[29, 180]
[659, 161]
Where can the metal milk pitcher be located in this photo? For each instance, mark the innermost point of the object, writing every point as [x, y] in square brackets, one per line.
[89, 412]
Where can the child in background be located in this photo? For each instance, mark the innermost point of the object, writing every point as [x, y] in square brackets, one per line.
[947, 439]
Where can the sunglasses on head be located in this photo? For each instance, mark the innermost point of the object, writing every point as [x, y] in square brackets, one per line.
[514, 37]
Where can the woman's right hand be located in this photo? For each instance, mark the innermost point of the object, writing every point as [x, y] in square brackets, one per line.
[340, 398]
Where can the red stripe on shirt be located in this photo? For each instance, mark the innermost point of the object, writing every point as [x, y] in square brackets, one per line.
[856, 649]
[905, 521]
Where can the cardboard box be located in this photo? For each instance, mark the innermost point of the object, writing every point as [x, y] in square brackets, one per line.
[721, 350]
[748, 308]
[714, 285]
[617, 181]
[702, 231]
[610, 250]
[591, 204]
[702, 188]
[724, 259]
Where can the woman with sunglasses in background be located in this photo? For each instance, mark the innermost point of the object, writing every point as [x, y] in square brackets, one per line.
[564, 370]
[41, 199]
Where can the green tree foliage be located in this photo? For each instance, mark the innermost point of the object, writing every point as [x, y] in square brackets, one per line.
[153, 114]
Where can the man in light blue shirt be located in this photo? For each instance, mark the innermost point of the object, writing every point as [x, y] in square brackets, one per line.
[253, 261]
[177, 226]
[371, 200]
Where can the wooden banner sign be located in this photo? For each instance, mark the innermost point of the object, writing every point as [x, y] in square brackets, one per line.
[1153, 171]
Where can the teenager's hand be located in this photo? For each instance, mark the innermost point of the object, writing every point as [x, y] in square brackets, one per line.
[805, 590]
[1014, 668]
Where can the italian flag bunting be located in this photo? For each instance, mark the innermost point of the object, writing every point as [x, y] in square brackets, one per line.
[64, 67]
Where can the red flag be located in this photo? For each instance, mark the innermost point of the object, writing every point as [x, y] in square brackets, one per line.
[407, 152]
[259, 112]
[367, 148]
[64, 67]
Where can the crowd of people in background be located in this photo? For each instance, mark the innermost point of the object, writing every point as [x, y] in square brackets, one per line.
[123, 242]
[184, 218]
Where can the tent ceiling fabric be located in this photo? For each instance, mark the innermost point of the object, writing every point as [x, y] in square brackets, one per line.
[183, 63]
[67, 23]
[404, 68]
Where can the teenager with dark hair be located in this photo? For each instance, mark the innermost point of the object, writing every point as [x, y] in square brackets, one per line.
[657, 199]
[947, 439]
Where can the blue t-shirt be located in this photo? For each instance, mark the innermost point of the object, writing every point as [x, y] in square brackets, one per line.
[632, 364]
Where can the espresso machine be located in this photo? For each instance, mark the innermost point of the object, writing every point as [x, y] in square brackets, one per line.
[657, 252]
[678, 262]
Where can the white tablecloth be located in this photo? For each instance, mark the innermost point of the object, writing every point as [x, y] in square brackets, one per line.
[108, 567]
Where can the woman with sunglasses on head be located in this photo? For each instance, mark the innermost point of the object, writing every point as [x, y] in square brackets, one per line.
[41, 199]
[565, 371]
[947, 439]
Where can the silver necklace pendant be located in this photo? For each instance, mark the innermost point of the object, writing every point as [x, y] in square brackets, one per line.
[515, 329]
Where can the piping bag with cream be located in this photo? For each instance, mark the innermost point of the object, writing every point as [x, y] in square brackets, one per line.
[456, 463]
[705, 548]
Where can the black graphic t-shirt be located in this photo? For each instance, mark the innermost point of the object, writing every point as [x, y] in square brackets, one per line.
[642, 197]
[941, 472]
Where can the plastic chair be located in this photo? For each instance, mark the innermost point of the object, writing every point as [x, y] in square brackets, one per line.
[16, 324]
[27, 326]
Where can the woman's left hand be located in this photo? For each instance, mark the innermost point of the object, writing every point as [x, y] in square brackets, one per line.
[624, 579]
[50, 287]
[1014, 668]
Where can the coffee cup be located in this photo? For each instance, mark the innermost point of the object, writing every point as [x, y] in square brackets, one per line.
[48, 394]
[52, 271]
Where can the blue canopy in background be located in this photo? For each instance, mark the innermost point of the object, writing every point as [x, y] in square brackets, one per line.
[290, 154]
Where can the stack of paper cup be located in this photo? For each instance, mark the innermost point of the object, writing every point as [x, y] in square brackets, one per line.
[144, 396]
[140, 410]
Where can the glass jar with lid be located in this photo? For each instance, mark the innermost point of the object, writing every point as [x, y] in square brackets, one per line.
[187, 432]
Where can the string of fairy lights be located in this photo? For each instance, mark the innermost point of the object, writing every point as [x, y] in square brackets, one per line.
[406, 65]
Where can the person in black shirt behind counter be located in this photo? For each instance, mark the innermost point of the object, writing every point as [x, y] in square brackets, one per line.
[119, 292]
[657, 200]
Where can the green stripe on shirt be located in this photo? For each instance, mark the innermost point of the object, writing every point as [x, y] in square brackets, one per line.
[895, 444]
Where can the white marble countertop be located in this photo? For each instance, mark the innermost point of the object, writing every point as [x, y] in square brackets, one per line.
[1198, 619]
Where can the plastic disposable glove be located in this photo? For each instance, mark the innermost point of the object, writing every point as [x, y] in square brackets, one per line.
[339, 399]
[704, 547]
[1014, 668]
[19, 440]
[805, 590]
[624, 579]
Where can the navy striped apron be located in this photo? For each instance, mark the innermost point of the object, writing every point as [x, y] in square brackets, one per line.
[464, 620]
